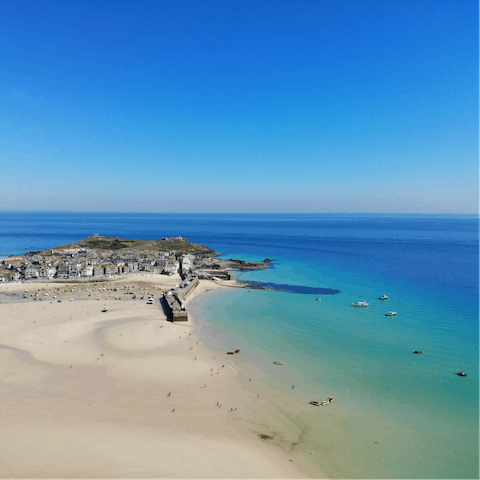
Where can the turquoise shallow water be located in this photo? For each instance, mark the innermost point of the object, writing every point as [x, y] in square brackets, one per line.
[424, 416]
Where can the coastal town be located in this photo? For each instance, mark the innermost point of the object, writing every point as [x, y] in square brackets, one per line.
[99, 259]
[82, 263]
[103, 258]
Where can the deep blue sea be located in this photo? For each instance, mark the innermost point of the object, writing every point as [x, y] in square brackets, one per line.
[424, 417]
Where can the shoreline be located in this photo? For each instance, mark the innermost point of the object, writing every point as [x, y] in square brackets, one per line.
[93, 388]
[273, 414]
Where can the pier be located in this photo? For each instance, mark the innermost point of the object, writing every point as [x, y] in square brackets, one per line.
[174, 299]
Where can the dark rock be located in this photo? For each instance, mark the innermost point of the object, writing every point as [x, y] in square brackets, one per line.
[230, 264]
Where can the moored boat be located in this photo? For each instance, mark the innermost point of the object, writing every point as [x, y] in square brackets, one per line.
[360, 304]
[104, 309]
[390, 314]
[418, 351]
[383, 297]
[461, 374]
[278, 363]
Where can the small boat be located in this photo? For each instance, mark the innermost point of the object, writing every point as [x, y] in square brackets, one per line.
[327, 401]
[104, 309]
[318, 299]
[237, 351]
[360, 304]
[461, 374]
[278, 363]
[383, 297]
[313, 402]
[417, 351]
[390, 314]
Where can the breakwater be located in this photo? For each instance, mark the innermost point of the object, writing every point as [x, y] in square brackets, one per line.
[174, 299]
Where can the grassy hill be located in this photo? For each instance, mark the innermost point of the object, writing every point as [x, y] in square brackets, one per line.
[98, 242]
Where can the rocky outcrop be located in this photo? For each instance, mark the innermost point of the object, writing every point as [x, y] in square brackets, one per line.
[231, 264]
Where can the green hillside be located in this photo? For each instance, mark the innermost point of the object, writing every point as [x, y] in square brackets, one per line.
[98, 242]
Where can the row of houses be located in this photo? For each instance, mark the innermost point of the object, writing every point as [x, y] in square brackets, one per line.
[80, 263]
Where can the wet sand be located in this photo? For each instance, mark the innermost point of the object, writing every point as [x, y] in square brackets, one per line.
[85, 393]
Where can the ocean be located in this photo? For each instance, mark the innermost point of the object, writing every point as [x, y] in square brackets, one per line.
[423, 416]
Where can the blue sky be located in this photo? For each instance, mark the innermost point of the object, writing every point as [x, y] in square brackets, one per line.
[239, 106]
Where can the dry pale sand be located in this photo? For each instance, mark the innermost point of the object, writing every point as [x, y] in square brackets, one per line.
[85, 393]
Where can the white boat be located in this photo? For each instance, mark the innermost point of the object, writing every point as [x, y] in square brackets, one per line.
[383, 297]
[104, 309]
[360, 304]
[391, 314]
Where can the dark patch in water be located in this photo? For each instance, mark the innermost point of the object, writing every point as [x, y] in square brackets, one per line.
[293, 288]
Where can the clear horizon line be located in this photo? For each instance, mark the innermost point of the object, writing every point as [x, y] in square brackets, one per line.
[234, 213]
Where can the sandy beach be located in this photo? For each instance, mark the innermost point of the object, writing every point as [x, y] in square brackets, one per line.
[126, 393]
